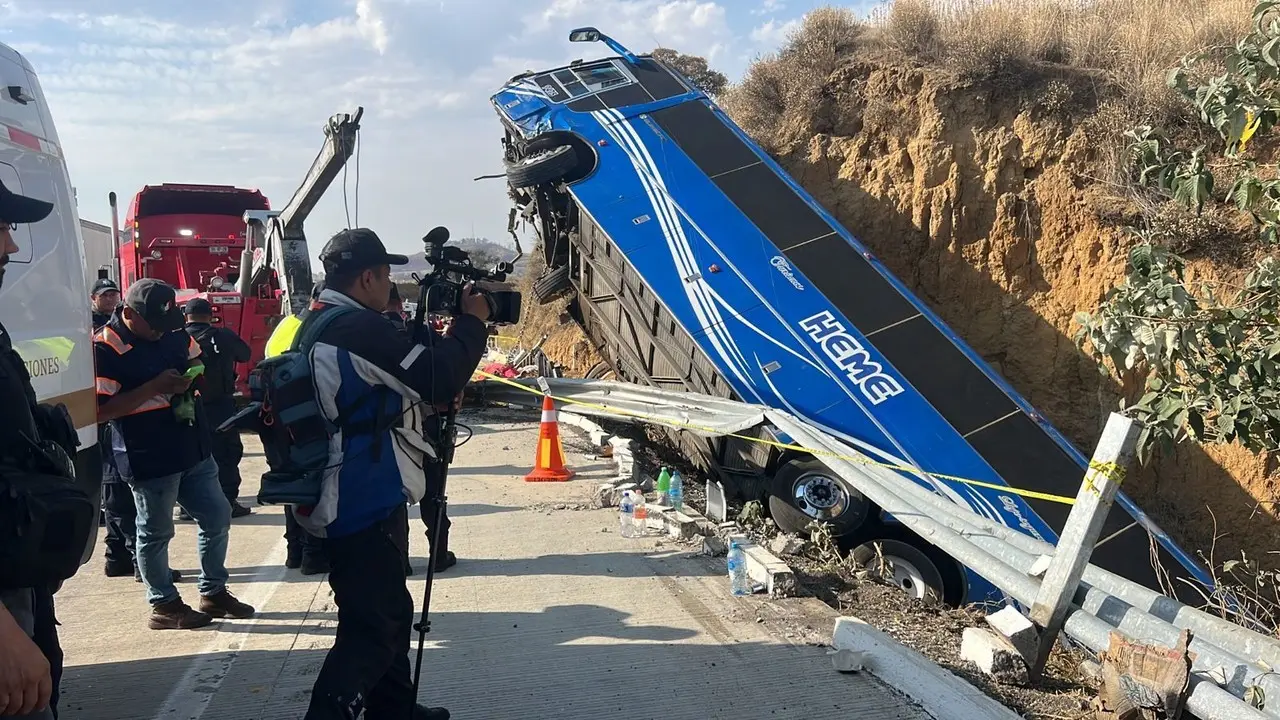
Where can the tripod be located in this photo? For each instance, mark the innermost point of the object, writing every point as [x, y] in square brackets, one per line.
[448, 431]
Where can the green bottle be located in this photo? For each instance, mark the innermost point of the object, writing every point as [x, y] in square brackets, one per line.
[664, 485]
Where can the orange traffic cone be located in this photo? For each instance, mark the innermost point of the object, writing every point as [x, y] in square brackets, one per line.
[549, 464]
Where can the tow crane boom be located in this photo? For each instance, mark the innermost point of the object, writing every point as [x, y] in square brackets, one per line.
[280, 233]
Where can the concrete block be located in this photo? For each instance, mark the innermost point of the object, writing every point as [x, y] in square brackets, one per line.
[940, 693]
[717, 505]
[765, 569]
[1041, 565]
[714, 546]
[605, 496]
[621, 445]
[1017, 629]
[598, 437]
[785, 545]
[681, 525]
[993, 655]
[847, 661]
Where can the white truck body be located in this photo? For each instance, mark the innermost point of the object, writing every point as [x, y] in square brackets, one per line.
[99, 252]
[44, 304]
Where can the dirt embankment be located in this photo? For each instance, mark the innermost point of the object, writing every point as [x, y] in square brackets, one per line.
[990, 205]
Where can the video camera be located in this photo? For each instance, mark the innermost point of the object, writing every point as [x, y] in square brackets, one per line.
[451, 269]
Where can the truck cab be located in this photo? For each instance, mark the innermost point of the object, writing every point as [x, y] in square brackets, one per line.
[194, 238]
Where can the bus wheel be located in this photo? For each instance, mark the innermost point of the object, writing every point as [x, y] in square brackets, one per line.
[544, 166]
[601, 371]
[551, 284]
[803, 490]
[903, 560]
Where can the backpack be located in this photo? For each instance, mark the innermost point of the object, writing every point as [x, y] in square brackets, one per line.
[220, 369]
[46, 519]
[293, 428]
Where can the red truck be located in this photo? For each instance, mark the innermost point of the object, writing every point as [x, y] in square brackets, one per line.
[226, 245]
[193, 237]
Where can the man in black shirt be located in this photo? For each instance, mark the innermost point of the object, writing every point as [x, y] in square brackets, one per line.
[161, 445]
[104, 298]
[222, 349]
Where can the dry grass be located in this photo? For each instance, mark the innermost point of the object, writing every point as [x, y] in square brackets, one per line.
[1131, 43]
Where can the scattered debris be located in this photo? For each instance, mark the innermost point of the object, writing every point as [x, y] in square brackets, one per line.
[847, 661]
[786, 545]
[994, 655]
[1143, 682]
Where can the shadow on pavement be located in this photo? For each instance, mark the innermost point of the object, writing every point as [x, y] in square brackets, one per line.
[572, 662]
[616, 564]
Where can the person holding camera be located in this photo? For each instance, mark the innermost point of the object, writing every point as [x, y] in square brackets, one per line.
[380, 390]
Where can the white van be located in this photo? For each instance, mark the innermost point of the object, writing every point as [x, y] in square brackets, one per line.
[43, 302]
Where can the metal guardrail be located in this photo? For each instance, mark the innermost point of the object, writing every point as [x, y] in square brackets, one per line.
[1230, 662]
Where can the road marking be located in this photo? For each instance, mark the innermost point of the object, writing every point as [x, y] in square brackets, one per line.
[190, 697]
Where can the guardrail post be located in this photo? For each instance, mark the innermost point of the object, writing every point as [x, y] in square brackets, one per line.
[1102, 481]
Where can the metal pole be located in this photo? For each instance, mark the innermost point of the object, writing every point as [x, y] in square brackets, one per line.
[1075, 544]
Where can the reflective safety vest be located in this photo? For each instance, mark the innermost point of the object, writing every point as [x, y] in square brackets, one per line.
[282, 336]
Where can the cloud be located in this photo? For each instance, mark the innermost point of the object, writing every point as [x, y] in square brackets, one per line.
[768, 7]
[773, 33]
[236, 92]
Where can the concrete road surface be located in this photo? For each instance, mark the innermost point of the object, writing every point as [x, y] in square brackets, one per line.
[549, 614]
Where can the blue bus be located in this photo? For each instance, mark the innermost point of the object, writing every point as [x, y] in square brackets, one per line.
[694, 262]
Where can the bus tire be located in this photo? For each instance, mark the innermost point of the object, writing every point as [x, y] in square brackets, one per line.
[541, 167]
[551, 284]
[803, 491]
[919, 569]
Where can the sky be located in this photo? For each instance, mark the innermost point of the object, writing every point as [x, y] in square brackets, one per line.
[236, 92]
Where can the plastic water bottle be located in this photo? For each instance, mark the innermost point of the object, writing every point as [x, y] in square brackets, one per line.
[739, 581]
[663, 486]
[675, 492]
[641, 516]
[627, 518]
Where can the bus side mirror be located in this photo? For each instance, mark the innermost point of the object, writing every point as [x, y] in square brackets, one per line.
[585, 34]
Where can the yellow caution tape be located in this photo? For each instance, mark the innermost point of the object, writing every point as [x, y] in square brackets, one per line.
[1111, 468]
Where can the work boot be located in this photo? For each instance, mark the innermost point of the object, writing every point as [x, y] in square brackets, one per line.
[421, 712]
[177, 615]
[314, 564]
[446, 562]
[239, 511]
[174, 575]
[223, 604]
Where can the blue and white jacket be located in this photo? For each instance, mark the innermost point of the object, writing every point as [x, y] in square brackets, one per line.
[377, 455]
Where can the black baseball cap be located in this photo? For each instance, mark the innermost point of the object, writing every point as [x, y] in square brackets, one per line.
[102, 285]
[357, 249]
[15, 208]
[198, 306]
[157, 303]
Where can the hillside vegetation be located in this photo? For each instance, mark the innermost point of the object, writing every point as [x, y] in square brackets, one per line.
[980, 149]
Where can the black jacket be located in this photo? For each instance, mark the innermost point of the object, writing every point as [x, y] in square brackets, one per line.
[221, 349]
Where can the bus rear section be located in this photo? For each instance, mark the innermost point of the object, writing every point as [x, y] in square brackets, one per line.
[697, 263]
[193, 237]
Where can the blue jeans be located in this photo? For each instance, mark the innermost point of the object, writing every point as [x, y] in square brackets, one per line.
[201, 495]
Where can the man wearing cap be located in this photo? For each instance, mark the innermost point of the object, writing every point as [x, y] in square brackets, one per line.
[30, 655]
[221, 349]
[361, 514]
[103, 299]
[141, 357]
